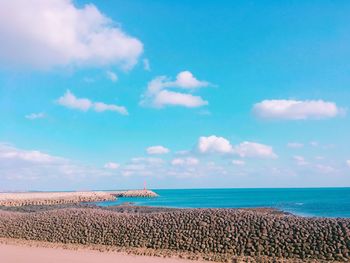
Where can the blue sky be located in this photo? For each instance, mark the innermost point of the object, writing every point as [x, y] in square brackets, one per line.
[185, 94]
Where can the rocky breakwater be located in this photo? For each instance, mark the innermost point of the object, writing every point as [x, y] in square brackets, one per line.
[45, 198]
[223, 233]
[135, 193]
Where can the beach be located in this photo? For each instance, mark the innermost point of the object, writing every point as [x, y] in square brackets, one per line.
[19, 253]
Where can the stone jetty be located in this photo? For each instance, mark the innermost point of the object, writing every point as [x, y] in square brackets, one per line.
[223, 234]
[135, 193]
[55, 198]
[51, 198]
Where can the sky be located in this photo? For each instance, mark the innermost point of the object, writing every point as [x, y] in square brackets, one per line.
[178, 94]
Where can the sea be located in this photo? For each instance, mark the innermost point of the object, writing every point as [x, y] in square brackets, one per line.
[308, 202]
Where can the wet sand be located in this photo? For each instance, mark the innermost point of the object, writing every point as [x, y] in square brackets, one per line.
[26, 254]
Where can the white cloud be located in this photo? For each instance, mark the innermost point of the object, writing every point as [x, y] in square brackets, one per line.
[186, 80]
[35, 116]
[19, 166]
[214, 144]
[300, 160]
[238, 162]
[157, 150]
[296, 109]
[44, 34]
[112, 76]
[69, 100]
[101, 107]
[172, 98]
[112, 165]
[8, 152]
[295, 145]
[160, 91]
[253, 149]
[189, 161]
[146, 65]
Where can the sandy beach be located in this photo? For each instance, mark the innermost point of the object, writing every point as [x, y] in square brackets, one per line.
[25, 254]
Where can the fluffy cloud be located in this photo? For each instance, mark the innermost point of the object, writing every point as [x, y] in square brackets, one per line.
[172, 98]
[69, 100]
[186, 80]
[112, 166]
[22, 169]
[10, 153]
[43, 34]
[35, 116]
[101, 107]
[214, 144]
[160, 91]
[296, 110]
[112, 76]
[188, 161]
[253, 149]
[157, 150]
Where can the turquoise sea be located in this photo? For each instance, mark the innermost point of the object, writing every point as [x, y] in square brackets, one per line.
[320, 202]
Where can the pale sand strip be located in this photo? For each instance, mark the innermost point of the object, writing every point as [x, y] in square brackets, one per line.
[25, 254]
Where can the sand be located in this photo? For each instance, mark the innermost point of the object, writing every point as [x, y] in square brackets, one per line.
[25, 254]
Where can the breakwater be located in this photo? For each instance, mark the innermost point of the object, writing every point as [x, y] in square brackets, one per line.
[55, 198]
[135, 193]
[225, 233]
[45, 198]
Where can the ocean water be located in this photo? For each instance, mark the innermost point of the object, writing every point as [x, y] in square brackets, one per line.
[319, 202]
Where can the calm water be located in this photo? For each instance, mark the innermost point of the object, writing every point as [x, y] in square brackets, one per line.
[323, 202]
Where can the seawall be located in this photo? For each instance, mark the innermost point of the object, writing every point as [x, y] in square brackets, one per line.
[224, 233]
